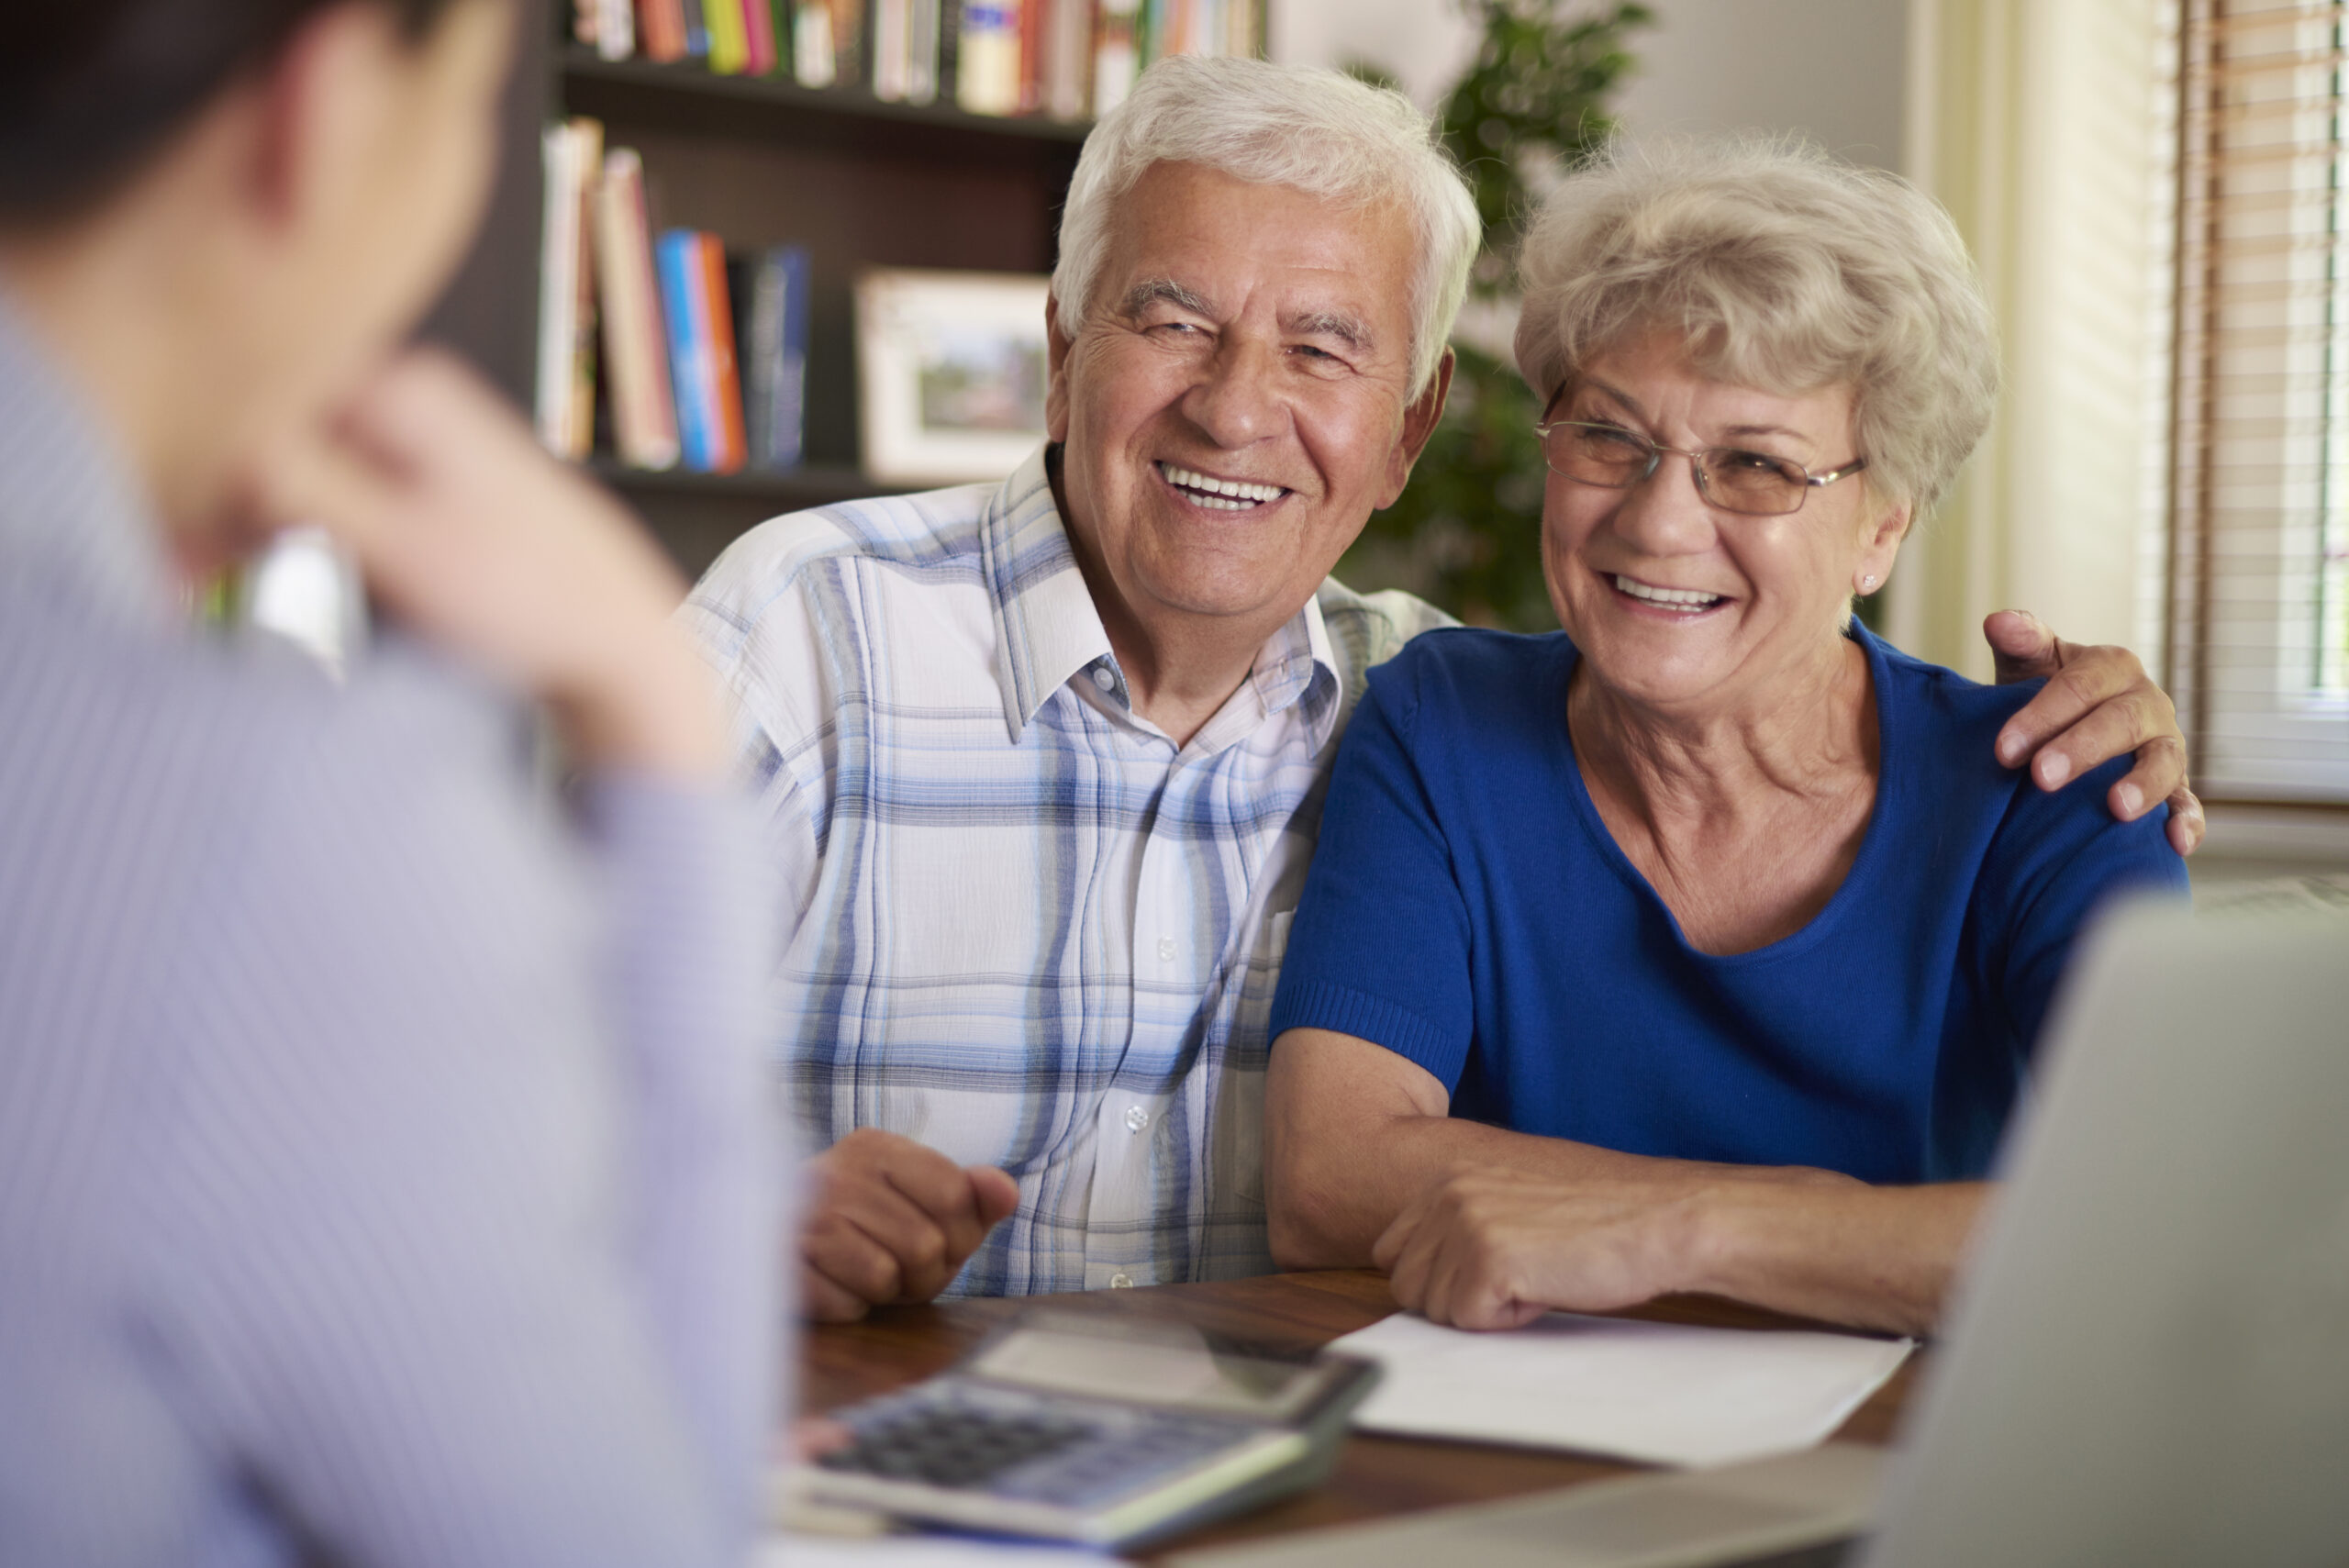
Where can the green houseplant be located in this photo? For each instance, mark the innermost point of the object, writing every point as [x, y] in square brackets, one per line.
[1466, 534]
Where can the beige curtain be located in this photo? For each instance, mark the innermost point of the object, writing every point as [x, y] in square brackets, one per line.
[2039, 124]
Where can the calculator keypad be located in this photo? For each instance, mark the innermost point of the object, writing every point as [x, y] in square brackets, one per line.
[1018, 1446]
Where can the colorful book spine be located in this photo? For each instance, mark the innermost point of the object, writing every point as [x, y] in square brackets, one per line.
[729, 44]
[773, 297]
[925, 38]
[892, 48]
[1032, 20]
[1116, 53]
[1068, 63]
[988, 66]
[644, 413]
[698, 29]
[814, 63]
[558, 286]
[587, 157]
[678, 257]
[849, 62]
[662, 25]
[1245, 28]
[615, 28]
[949, 48]
[715, 309]
[757, 37]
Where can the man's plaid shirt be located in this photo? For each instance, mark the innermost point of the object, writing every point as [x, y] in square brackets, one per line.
[1029, 931]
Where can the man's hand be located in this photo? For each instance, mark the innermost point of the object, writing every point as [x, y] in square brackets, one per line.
[891, 1223]
[2099, 704]
[480, 543]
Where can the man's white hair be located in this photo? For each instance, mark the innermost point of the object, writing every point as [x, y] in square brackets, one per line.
[1318, 131]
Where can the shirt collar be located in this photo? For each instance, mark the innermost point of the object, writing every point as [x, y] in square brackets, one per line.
[1048, 630]
[73, 521]
[1046, 627]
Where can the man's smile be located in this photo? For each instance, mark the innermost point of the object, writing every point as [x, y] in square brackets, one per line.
[1217, 494]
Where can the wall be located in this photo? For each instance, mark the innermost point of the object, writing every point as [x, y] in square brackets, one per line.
[2036, 123]
[1424, 44]
[1832, 69]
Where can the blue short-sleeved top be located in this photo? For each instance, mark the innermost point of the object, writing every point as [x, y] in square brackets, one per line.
[1468, 909]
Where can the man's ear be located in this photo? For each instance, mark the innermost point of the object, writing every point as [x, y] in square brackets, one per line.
[1056, 348]
[1419, 420]
[319, 108]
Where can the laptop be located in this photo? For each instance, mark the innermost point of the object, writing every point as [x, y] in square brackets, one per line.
[2149, 1362]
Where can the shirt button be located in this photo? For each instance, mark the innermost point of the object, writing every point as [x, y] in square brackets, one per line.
[1166, 949]
[1121, 1281]
[1104, 679]
[1136, 1119]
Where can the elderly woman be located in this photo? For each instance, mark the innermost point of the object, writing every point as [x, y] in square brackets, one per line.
[1702, 947]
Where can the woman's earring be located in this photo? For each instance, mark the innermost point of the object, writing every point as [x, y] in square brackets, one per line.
[1867, 583]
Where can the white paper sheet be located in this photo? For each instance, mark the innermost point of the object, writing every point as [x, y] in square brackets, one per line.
[1660, 1393]
[787, 1549]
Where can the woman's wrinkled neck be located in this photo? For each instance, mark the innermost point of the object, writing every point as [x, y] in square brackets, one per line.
[1808, 731]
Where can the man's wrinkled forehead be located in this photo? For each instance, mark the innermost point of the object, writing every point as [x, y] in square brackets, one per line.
[1189, 270]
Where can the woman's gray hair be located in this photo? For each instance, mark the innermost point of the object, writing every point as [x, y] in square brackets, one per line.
[1785, 270]
[1318, 131]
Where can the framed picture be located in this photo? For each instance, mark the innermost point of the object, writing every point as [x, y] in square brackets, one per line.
[951, 368]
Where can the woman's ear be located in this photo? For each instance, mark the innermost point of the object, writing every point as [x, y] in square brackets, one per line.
[1881, 549]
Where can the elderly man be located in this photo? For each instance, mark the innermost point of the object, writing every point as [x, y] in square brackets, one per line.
[1043, 760]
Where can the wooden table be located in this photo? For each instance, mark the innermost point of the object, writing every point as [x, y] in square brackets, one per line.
[1376, 1475]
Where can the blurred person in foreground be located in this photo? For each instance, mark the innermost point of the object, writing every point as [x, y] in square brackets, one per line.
[1044, 758]
[384, 1163]
[1702, 946]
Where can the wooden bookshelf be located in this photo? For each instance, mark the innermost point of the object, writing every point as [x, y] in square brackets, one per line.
[685, 94]
[760, 161]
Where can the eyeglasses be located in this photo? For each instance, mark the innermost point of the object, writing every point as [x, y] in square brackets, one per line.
[1612, 458]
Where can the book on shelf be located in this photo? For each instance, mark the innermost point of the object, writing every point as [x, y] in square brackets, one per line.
[926, 46]
[892, 49]
[811, 46]
[1070, 60]
[644, 413]
[1030, 98]
[729, 36]
[906, 45]
[565, 397]
[828, 42]
[716, 316]
[661, 29]
[770, 288]
[987, 58]
[849, 64]
[704, 357]
[1116, 52]
[701, 353]
[609, 26]
[760, 30]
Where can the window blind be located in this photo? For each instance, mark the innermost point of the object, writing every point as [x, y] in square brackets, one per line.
[2258, 611]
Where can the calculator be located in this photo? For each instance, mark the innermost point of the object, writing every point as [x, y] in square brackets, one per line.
[1108, 1431]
